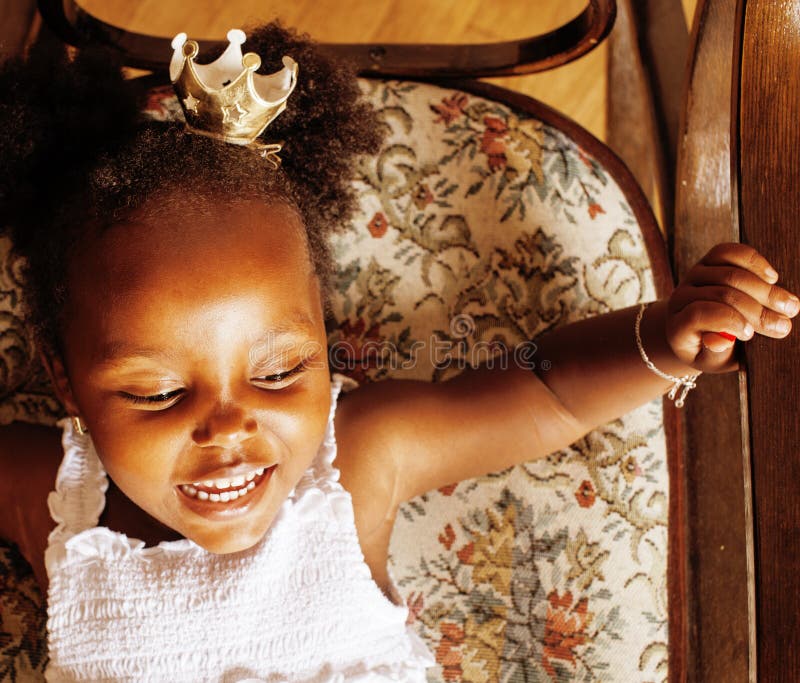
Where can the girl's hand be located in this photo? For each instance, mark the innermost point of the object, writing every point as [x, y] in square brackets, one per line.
[730, 290]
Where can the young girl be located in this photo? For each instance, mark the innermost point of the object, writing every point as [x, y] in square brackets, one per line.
[176, 284]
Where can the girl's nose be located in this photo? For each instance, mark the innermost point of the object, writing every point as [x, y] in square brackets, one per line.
[225, 427]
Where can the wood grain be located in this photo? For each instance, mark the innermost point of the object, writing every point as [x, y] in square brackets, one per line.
[769, 184]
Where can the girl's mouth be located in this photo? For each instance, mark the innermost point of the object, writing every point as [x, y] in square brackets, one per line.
[225, 499]
[225, 490]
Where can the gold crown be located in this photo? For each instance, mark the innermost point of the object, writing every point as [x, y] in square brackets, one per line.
[226, 99]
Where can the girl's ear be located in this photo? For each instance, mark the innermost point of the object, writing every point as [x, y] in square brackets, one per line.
[58, 376]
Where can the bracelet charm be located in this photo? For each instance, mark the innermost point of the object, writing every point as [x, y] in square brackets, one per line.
[685, 383]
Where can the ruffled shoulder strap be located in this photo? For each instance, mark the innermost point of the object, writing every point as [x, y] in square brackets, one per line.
[80, 488]
[323, 474]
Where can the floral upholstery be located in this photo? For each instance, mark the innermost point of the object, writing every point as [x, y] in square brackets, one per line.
[22, 620]
[480, 228]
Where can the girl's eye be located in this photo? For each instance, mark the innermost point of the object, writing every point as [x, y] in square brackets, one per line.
[154, 401]
[281, 376]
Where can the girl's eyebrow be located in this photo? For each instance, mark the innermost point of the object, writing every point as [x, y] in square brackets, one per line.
[118, 352]
[298, 325]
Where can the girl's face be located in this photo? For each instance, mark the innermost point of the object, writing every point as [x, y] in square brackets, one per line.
[195, 352]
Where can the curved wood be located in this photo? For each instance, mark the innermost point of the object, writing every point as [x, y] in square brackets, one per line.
[717, 636]
[769, 183]
[76, 26]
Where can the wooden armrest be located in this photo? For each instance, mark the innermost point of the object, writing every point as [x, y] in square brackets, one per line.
[76, 26]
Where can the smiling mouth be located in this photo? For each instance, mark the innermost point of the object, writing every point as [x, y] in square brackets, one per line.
[225, 490]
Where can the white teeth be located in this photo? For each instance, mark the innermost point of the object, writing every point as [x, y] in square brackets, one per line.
[234, 483]
[241, 485]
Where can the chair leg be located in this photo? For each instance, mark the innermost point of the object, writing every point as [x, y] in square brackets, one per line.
[647, 54]
[717, 477]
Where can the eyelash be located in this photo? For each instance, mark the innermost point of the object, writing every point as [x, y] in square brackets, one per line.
[157, 399]
[154, 399]
[279, 377]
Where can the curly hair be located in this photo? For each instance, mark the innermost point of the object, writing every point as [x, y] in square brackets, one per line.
[78, 157]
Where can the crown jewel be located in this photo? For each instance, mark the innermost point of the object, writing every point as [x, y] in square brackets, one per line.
[226, 99]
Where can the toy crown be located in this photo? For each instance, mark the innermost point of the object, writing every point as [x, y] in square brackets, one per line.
[226, 99]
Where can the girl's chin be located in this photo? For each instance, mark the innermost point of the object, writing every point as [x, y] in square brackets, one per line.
[227, 526]
[225, 539]
[227, 545]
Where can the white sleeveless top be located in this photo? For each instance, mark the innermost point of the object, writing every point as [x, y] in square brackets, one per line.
[300, 605]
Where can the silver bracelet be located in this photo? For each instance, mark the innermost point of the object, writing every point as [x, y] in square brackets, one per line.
[686, 382]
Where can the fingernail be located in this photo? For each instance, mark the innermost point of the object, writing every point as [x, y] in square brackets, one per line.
[792, 307]
[771, 273]
[783, 326]
[748, 330]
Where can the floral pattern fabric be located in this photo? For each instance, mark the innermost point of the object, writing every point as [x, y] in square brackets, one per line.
[480, 228]
[22, 620]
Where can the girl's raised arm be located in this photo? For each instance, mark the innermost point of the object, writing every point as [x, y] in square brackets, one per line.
[486, 419]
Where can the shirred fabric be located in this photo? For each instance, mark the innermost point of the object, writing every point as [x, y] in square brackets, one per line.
[300, 605]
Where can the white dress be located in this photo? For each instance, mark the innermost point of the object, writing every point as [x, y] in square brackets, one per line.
[300, 605]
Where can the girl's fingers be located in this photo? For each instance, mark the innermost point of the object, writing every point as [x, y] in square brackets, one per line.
[743, 256]
[701, 317]
[773, 297]
[761, 319]
[717, 342]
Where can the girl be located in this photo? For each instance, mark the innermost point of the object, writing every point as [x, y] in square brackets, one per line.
[176, 285]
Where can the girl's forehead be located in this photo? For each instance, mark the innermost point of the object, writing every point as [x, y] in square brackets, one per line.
[235, 236]
[239, 266]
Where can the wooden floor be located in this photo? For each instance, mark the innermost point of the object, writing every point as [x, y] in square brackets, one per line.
[577, 89]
